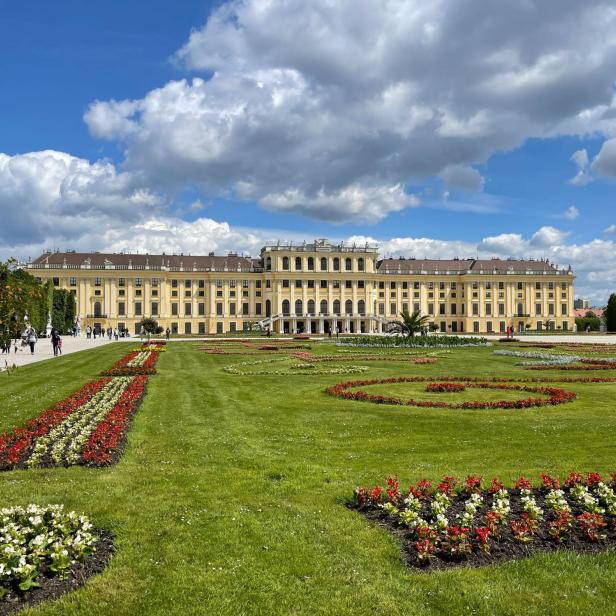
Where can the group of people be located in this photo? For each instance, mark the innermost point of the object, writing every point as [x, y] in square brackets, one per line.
[94, 332]
[510, 332]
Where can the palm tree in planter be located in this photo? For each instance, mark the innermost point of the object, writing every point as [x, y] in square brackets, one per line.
[410, 323]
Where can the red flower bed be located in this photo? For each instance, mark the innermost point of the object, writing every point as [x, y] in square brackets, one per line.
[462, 523]
[14, 443]
[425, 360]
[104, 443]
[445, 387]
[554, 395]
[586, 364]
[121, 367]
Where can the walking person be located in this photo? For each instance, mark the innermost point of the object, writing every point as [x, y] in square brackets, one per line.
[55, 339]
[88, 332]
[32, 340]
[167, 333]
[116, 334]
[59, 345]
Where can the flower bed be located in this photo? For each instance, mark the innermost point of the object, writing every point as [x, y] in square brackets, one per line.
[413, 342]
[546, 361]
[86, 423]
[138, 362]
[249, 368]
[46, 551]
[445, 387]
[464, 523]
[553, 395]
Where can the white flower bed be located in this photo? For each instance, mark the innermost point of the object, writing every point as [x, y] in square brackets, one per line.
[36, 540]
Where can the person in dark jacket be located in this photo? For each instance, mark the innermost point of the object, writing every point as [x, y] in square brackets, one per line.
[55, 341]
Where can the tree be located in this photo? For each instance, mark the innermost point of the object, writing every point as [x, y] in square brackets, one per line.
[148, 325]
[21, 294]
[610, 313]
[410, 323]
[63, 310]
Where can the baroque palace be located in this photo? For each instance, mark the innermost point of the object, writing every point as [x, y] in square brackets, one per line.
[314, 288]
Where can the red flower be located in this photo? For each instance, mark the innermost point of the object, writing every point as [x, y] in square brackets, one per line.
[523, 484]
[495, 486]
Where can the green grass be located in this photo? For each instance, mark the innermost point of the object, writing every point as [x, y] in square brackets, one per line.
[230, 496]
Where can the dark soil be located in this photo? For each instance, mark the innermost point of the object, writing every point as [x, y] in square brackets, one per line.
[52, 587]
[501, 550]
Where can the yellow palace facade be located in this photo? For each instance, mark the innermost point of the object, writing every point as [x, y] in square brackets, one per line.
[311, 288]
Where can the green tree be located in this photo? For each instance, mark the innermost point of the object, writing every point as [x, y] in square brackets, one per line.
[410, 323]
[63, 310]
[610, 313]
[150, 326]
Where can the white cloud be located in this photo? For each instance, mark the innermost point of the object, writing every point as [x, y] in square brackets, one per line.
[462, 177]
[604, 162]
[582, 177]
[309, 102]
[571, 213]
[52, 194]
[611, 230]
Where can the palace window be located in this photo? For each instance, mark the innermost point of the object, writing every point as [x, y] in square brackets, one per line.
[431, 309]
[441, 309]
[201, 309]
[310, 264]
[336, 264]
[488, 310]
[121, 282]
[232, 308]
[285, 284]
[336, 284]
[154, 309]
[361, 264]
[501, 285]
[97, 282]
[72, 281]
[392, 285]
[298, 284]
[174, 284]
[298, 263]
[501, 309]
[285, 263]
[174, 309]
[361, 284]
[310, 284]
[551, 309]
[323, 284]
[348, 264]
[538, 309]
[219, 309]
[563, 309]
[258, 308]
[323, 264]
[475, 310]
[137, 309]
[121, 309]
[245, 308]
[348, 284]
[441, 286]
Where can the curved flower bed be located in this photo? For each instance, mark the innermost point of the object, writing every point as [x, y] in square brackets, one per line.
[465, 523]
[250, 368]
[41, 545]
[554, 395]
[546, 361]
[445, 387]
[62, 435]
[424, 358]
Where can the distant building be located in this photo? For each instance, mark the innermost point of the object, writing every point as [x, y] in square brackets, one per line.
[580, 304]
[316, 287]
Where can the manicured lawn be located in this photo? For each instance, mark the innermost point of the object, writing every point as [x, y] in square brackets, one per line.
[230, 496]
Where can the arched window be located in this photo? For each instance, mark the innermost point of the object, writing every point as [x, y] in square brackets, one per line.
[298, 307]
[286, 310]
[323, 307]
[323, 264]
[285, 263]
[310, 306]
[336, 264]
[298, 263]
[348, 264]
[360, 264]
[311, 263]
[336, 306]
[268, 308]
[348, 307]
[361, 307]
[97, 309]
[520, 309]
[268, 264]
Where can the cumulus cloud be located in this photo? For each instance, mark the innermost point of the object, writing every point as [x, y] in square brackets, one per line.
[53, 194]
[582, 177]
[309, 102]
[611, 230]
[571, 213]
[462, 177]
[604, 162]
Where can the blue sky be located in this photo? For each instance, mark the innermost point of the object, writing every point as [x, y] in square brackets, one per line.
[294, 120]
